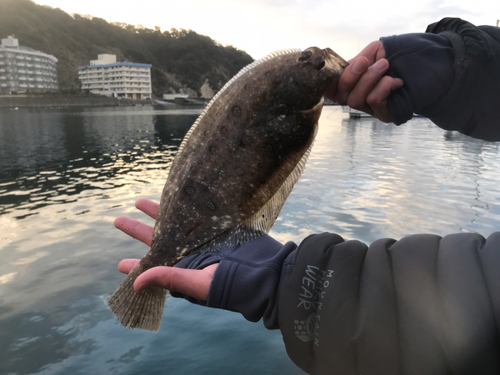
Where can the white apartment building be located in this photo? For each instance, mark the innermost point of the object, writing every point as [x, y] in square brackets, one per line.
[105, 76]
[24, 69]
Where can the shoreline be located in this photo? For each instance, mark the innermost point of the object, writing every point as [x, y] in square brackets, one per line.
[69, 100]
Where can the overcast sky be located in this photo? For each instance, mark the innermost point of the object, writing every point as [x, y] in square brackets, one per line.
[263, 26]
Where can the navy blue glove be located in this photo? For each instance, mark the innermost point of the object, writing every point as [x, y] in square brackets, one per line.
[247, 278]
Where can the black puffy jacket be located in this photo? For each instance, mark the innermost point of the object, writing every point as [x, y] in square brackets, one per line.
[420, 305]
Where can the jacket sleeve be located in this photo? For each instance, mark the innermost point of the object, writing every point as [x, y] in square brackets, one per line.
[421, 305]
[451, 75]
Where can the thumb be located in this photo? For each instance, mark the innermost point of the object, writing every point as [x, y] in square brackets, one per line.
[194, 283]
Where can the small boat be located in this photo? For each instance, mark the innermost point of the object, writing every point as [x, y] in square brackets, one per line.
[354, 113]
[163, 102]
[182, 100]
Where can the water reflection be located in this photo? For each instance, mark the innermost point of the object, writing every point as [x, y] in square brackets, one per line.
[54, 155]
[366, 180]
[65, 174]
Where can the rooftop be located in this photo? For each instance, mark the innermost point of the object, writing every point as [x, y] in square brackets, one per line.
[116, 64]
[107, 60]
[11, 43]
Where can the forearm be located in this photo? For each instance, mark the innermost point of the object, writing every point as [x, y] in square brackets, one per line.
[318, 303]
[421, 305]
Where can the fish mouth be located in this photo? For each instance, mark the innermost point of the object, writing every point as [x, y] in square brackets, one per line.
[323, 58]
[333, 60]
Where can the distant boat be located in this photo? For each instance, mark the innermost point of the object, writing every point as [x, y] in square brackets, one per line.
[354, 113]
[182, 100]
[163, 102]
[329, 102]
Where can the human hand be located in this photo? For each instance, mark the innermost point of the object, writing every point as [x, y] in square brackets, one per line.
[363, 85]
[242, 278]
[194, 283]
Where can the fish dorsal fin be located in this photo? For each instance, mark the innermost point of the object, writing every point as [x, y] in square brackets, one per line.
[229, 83]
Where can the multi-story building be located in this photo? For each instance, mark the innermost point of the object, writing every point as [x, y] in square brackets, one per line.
[105, 76]
[24, 69]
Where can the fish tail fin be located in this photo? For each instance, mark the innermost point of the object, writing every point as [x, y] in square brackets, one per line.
[133, 309]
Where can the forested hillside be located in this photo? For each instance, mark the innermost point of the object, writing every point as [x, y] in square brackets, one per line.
[180, 58]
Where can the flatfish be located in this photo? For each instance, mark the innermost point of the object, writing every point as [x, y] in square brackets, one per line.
[234, 169]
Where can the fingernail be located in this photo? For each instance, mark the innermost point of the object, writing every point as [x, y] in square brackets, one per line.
[139, 287]
[380, 65]
[359, 66]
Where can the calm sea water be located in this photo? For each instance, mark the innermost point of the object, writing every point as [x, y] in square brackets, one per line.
[65, 174]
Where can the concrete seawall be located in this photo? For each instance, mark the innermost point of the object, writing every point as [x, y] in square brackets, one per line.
[12, 101]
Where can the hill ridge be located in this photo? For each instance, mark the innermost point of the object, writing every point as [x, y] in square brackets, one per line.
[180, 58]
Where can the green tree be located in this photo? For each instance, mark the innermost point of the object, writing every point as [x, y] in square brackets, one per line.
[179, 57]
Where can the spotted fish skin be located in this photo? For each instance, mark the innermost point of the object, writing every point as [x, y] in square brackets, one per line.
[235, 167]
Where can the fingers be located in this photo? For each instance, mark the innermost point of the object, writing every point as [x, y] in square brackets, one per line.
[369, 90]
[135, 229]
[339, 91]
[373, 52]
[194, 283]
[363, 85]
[147, 206]
[377, 98]
[126, 265]
[356, 98]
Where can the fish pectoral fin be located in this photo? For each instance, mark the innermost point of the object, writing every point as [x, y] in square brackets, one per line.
[269, 115]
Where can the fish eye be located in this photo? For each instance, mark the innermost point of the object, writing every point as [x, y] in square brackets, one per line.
[304, 55]
[319, 62]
